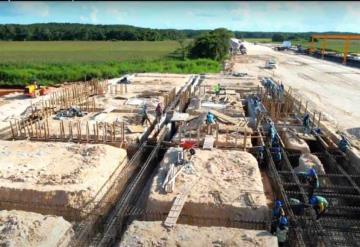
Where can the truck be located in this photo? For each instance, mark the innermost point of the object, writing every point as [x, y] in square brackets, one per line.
[284, 46]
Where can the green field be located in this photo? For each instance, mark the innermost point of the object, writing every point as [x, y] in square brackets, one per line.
[55, 62]
[259, 40]
[332, 45]
[83, 51]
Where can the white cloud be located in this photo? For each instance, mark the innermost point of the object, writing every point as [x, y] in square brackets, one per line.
[93, 15]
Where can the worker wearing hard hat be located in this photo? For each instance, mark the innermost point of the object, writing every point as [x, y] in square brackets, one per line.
[320, 205]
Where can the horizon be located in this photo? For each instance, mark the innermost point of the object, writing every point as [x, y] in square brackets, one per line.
[121, 24]
[286, 17]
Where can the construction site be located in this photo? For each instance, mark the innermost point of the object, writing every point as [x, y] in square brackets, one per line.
[153, 159]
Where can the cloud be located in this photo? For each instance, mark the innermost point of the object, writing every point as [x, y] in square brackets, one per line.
[93, 15]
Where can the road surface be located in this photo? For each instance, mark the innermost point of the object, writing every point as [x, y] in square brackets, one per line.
[331, 88]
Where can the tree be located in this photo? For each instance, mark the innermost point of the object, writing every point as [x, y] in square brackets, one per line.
[214, 45]
[183, 49]
[277, 37]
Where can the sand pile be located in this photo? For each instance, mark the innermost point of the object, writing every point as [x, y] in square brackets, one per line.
[292, 141]
[56, 175]
[307, 161]
[19, 228]
[228, 185]
[145, 233]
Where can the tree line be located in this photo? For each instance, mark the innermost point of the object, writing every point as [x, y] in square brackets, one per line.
[88, 32]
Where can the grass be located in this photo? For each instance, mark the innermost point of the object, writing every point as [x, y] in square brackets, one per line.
[55, 62]
[259, 40]
[17, 75]
[83, 51]
[332, 45]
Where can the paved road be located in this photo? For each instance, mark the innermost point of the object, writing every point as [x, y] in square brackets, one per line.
[330, 87]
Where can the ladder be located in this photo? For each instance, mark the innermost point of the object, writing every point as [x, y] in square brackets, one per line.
[177, 206]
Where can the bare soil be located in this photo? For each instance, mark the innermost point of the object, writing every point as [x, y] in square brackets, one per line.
[147, 233]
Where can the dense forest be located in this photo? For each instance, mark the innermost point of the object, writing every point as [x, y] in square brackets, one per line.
[70, 31]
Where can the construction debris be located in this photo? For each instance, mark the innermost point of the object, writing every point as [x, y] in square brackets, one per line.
[69, 113]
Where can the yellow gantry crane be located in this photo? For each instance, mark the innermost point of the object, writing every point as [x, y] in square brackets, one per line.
[324, 37]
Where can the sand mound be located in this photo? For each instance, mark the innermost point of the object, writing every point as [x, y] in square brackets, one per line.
[307, 161]
[225, 181]
[56, 175]
[19, 228]
[291, 141]
[143, 233]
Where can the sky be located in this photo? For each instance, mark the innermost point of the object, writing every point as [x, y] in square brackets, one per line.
[237, 16]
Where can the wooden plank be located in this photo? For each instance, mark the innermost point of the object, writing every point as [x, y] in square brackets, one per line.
[178, 116]
[232, 128]
[225, 118]
[177, 206]
[230, 91]
[136, 128]
[208, 142]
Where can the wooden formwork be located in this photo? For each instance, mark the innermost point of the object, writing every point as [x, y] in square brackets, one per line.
[72, 131]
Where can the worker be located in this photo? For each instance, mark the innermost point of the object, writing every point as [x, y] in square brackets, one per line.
[275, 142]
[319, 204]
[144, 115]
[277, 157]
[282, 87]
[159, 112]
[277, 212]
[216, 89]
[313, 180]
[306, 123]
[343, 144]
[271, 133]
[281, 91]
[210, 119]
[278, 209]
[282, 230]
[261, 156]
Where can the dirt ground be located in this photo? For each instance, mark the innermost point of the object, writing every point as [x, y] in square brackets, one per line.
[329, 87]
[43, 176]
[13, 105]
[25, 229]
[225, 184]
[152, 233]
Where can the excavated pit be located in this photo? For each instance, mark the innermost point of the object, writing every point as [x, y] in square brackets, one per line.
[112, 120]
[64, 179]
[152, 233]
[227, 185]
[19, 228]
